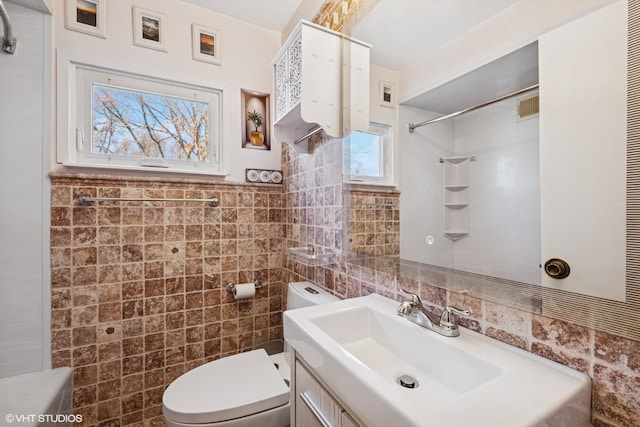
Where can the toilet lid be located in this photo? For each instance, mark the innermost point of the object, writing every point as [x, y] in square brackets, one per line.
[227, 388]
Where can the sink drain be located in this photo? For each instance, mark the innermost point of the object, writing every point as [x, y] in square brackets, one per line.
[407, 381]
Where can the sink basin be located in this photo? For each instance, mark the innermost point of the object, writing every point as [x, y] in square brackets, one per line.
[361, 349]
[381, 346]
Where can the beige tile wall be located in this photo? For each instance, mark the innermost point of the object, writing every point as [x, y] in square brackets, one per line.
[138, 289]
[373, 224]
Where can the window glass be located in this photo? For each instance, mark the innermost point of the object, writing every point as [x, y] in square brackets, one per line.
[367, 155]
[135, 123]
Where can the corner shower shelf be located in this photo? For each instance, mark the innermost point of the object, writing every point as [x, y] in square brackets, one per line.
[456, 205]
[454, 159]
[456, 235]
[454, 187]
[456, 199]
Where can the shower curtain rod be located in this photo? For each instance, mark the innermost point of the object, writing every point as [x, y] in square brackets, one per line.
[413, 127]
[8, 42]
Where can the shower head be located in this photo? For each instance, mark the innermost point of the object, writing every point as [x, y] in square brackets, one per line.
[8, 42]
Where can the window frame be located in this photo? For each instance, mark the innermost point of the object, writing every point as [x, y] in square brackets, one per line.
[386, 163]
[75, 76]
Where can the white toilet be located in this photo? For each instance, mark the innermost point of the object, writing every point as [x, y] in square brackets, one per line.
[243, 390]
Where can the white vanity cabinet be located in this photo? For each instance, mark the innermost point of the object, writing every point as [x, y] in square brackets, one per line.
[321, 78]
[314, 405]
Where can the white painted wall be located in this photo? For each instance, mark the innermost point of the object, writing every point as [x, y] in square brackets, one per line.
[24, 196]
[246, 54]
[383, 114]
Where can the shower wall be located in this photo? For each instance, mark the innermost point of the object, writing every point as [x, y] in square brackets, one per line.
[503, 194]
[24, 306]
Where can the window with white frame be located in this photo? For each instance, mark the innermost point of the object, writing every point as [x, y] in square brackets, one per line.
[367, 155]
[129, 121]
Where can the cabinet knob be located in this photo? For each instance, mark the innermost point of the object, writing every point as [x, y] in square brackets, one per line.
[557, 268]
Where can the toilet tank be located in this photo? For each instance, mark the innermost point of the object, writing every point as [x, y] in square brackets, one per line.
[304, 294]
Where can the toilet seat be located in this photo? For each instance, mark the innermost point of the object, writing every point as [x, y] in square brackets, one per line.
[228, 388]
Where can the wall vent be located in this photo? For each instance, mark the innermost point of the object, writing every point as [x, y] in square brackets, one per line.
[528, 107]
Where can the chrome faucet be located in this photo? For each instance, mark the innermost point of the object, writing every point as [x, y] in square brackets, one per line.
[413, 310]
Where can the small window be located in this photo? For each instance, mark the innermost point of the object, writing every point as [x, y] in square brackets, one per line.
[367, 155]
[128, 121]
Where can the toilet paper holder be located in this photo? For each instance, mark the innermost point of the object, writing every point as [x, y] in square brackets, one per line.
[256, 283]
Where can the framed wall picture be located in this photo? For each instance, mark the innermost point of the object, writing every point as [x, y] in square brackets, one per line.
[387, 94]
[149, 29]
[205, 44]
[256, 128]
[86, 16]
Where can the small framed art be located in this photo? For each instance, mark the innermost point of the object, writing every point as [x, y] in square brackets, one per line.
[149, 29]
[87, 16]
[206, 44]
[387, 95]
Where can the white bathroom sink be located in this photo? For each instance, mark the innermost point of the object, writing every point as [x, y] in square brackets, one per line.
[360, 347]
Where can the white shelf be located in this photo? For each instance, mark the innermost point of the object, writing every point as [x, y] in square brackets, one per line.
[456, 187]
[457, 179]
[456, 235]
[456, 159]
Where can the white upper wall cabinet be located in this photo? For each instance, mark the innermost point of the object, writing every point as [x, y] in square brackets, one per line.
[583, 99]
[320, 77]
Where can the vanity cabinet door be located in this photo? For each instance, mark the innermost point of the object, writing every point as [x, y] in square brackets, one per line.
[315, 407]
[347, 421]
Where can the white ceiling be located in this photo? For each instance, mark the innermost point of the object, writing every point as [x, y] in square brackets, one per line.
[271, 14]
[399, 30]
[403, 30]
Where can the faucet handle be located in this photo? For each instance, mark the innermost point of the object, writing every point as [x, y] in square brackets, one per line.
[415, 299]
[446, 317]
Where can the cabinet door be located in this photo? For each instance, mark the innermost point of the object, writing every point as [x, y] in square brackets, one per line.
[347, 421]
[583, 151]
[282, 81]
[314, 405]
[294, 55]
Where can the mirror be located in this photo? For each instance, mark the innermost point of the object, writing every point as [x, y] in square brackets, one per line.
[485, 211]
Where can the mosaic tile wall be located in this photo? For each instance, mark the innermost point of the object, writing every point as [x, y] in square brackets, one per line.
[138, 288]
[374, 222]
[313, 197]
